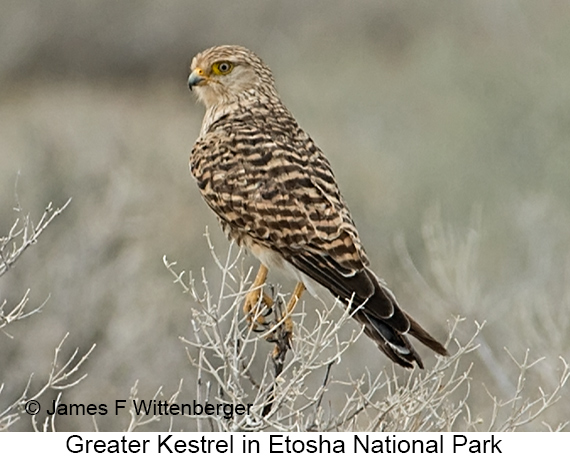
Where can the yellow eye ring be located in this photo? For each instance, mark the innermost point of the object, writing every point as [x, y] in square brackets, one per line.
[222, 68]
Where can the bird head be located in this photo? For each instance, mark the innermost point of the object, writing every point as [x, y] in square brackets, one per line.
[224, 74]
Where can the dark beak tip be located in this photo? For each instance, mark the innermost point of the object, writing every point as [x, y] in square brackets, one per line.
[194, 80]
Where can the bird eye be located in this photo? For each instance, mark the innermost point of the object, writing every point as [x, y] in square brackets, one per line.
[222, 68]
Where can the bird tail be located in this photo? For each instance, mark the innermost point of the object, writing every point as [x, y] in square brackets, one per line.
[390, 333]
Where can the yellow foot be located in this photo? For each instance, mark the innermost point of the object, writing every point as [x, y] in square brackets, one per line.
[283, 334]
[256, 309]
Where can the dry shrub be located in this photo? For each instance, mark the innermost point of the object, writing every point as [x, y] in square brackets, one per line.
[63, 373]
[313, 390]
[304, 397]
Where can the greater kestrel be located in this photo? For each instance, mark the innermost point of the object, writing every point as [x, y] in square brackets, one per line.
[274, 192]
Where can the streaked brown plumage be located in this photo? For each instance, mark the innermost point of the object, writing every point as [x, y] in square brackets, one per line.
[274, 191]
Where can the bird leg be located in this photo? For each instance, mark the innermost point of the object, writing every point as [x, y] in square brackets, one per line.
[288, 323]
[256, 299]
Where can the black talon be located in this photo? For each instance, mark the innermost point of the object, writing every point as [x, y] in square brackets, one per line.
[267, 312]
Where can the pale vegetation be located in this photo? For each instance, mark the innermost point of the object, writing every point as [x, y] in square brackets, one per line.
[314, 391]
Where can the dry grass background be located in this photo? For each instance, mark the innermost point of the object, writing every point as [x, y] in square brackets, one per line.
[447, 124]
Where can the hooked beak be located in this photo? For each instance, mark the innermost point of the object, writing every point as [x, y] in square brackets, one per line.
[196, 78]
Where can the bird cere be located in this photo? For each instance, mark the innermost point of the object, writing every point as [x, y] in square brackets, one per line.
[275, 193]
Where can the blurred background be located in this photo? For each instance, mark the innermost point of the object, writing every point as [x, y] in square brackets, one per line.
[447, 124]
